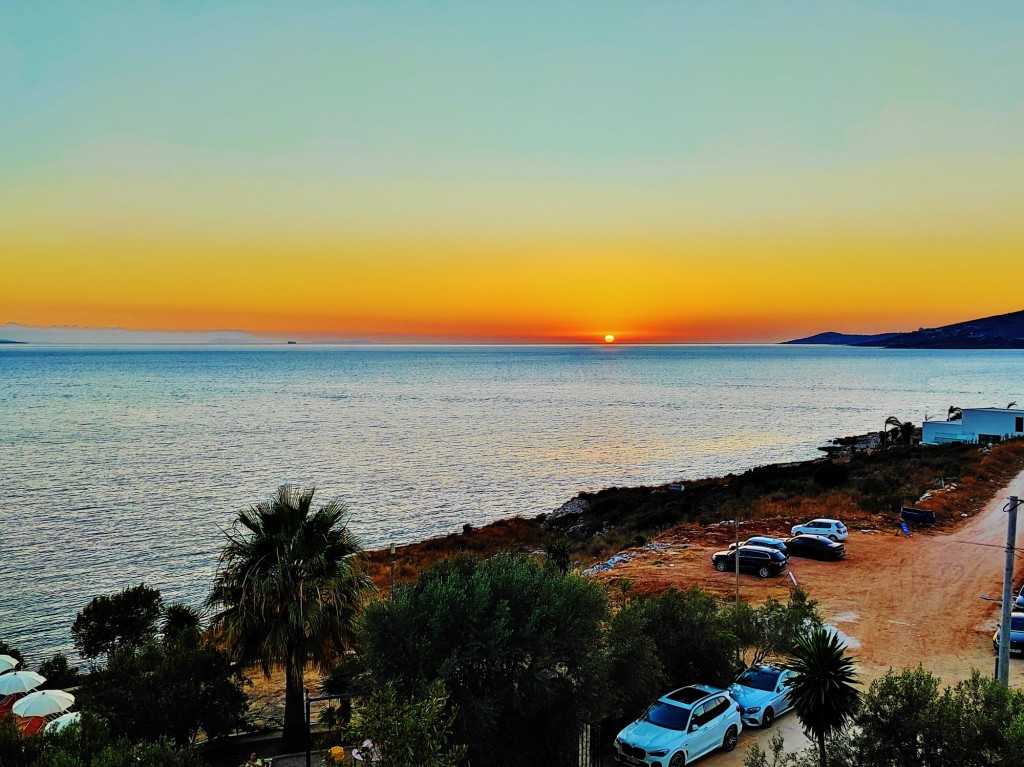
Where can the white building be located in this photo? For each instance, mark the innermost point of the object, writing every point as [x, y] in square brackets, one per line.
[979, 424]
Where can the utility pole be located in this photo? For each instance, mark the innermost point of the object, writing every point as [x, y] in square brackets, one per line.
[736, 559]
[392, 552]
[1007, 606]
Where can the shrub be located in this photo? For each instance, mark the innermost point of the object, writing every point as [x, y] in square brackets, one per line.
[670, 640]
[171, 690]
[58, 672]
[518, 646]
[6, 649]
[417, 733]
[907, 720]
[771, 630]
[108, 622]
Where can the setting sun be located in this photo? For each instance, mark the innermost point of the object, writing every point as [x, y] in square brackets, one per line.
[609, 339]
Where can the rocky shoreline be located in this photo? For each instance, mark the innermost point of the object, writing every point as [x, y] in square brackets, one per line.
[862, 483]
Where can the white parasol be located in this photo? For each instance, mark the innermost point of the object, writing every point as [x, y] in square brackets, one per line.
[44, 703]
[19, 681]
[7, 663]
[63, 721]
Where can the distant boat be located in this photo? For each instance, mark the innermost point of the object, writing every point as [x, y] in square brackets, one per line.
[293, 342]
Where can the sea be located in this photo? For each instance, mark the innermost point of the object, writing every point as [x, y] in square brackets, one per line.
[127, 464]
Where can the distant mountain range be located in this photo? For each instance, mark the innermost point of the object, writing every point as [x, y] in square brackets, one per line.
[13, 333]
[1003, 331]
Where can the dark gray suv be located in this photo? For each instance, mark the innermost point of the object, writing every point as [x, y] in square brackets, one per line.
[753, 559]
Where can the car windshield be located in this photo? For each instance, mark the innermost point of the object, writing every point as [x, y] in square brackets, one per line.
[1017, 623]
[668, 716]
[759, 679]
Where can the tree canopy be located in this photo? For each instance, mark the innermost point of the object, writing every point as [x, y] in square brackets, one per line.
[112, 621]
[519, 647]
[168, 689]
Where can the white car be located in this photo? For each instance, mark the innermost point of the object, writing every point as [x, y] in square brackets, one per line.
[680, 727]
[763, 540]
[762, 693]
[832, 529]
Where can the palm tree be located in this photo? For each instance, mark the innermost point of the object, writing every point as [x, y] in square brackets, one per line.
[954, 414]
[181, 620]
[288, 588]
[904, 430]
[559, 553]
[823, 689]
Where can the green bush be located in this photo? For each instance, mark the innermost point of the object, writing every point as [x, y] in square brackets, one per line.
[417, 733]
[907, 720]
[58, 672]
[87, 743]
[108, 622]
[167, 690]
[771, 630]
[519, 647]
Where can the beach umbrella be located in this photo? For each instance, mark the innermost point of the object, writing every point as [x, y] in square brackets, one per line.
[44, 703]
[7, 663]
[63, 721]
[19, 682]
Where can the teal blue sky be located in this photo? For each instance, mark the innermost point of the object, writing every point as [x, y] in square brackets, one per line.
[582, 88]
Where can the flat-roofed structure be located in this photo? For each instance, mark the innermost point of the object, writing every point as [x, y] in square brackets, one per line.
[978, 424]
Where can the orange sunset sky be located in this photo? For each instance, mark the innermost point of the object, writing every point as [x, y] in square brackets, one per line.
[455, 172]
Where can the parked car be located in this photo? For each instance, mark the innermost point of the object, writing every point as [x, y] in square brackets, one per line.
[762, 693]
[832, 529]
[680, 727]
[1019, 602]
[753, 559]
[764, 541]
[1016, 635]
[815, 547]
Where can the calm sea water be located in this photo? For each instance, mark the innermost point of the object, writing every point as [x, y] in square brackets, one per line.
[121, 464]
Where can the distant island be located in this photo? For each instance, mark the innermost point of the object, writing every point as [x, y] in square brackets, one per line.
[13, 333]
[1003, 331]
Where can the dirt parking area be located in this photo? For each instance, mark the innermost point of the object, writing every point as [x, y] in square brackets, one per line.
[898, 601]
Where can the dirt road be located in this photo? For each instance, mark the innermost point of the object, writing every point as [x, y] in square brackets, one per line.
[898, 601]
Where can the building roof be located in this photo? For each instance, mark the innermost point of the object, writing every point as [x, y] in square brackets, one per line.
[1014, 411]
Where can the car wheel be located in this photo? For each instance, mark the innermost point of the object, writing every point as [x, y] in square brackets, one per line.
[677, 761]
[833, 538]
[729, 743]
[768, 718]
[721, 566]
[764, 572]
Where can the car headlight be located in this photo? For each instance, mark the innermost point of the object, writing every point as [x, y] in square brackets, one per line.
[659, 752]
[752, 710]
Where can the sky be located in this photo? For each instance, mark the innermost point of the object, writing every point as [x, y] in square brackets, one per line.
[511, 172]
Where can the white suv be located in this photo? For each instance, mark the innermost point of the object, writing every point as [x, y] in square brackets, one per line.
[832, 529]
[680, 727]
